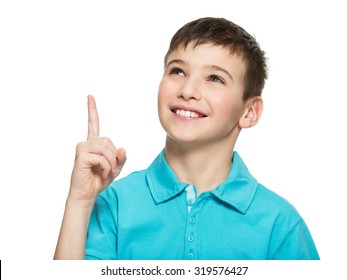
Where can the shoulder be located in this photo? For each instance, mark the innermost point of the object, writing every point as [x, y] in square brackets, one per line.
[289, 236]
[274, 210]
[269, 200]
[130, 184]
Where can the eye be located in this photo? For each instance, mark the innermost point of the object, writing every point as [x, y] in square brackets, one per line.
[177, 71]
[216, 79]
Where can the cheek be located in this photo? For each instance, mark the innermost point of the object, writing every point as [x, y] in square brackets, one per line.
[164, 92]
[228, 110]
[163, 96]
[160, 96]
[221, 103]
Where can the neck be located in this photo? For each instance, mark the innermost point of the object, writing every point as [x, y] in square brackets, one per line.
[205, 166]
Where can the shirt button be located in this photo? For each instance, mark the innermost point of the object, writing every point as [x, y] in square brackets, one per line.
[192, 220]
[190, 256]
[190, 202]
[190, 238]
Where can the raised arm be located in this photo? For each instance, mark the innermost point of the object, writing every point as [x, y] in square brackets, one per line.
[97, 164]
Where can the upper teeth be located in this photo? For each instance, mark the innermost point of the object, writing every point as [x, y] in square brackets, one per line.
[187, 114]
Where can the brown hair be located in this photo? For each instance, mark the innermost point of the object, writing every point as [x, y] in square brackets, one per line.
[222, 32]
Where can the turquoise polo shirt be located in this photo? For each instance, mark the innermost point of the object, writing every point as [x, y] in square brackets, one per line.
[150, 215]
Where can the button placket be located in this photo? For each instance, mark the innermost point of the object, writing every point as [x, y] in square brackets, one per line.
[190, 233]
[190, 236]
[191, 196]
[192, 220]
[190, 202]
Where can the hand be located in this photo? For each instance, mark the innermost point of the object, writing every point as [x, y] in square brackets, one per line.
[97, 161]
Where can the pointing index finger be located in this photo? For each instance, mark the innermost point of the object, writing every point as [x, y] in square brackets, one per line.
[93, 118]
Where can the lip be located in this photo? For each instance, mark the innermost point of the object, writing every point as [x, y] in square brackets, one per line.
[187, 108]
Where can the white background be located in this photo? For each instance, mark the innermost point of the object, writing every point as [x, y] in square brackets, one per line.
[54, 53]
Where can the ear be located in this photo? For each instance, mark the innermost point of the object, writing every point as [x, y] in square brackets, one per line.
[252, 113]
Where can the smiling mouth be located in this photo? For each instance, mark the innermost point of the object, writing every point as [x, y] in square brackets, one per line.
[187, 113]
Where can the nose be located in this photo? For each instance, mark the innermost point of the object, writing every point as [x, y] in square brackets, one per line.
[190, 89]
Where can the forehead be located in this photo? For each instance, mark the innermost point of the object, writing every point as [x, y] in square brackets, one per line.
[209, 55]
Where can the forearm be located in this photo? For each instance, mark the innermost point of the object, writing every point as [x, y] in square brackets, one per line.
[97, 163]
[73, 233]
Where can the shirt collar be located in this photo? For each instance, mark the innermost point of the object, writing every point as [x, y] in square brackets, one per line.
[237, 190]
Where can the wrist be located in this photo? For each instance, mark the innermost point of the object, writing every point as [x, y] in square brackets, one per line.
[82, 204]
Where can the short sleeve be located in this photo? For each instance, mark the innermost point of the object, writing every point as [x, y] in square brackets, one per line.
[102, 232]
[298, 245]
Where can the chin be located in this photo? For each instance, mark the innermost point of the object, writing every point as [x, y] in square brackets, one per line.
[183, 140]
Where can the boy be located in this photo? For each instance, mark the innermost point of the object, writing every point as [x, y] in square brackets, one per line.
[197, 200]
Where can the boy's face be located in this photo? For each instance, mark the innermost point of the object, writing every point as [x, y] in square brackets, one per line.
[200, 94]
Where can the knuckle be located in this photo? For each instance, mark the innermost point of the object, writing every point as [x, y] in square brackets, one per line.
[107, 168]
[80, 157]
[106, 140]
[80, 147]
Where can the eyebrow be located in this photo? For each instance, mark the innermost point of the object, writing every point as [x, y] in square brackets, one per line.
[209, 67]
[178, 61]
